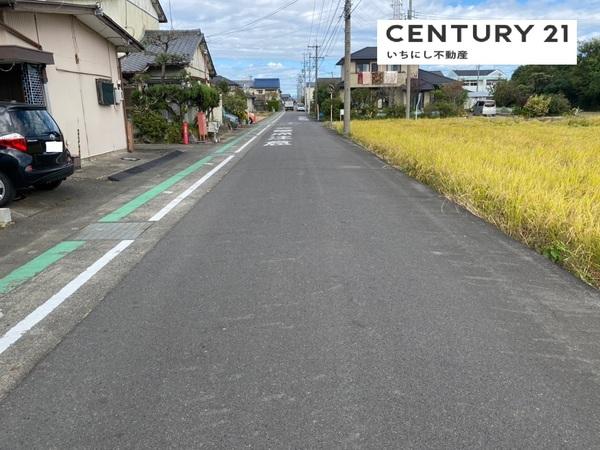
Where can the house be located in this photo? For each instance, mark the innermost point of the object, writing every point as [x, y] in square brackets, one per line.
[309, 94]
[389, 82]
[427, 83]
[167, 54]
[136, 17]
[64, 55]
[231, 84]
[218, 80]
[478, 80]
[263, 90]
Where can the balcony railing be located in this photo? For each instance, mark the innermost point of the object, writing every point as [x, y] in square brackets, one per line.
[378, 79]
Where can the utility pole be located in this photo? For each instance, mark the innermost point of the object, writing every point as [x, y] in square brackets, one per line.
[408, 68]
[347, 60]
[316, 47]
[303, 78]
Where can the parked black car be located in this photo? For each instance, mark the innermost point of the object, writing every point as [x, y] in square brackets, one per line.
[32, 150]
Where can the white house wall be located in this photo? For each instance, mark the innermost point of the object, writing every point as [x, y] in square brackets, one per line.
[198, 67]
[135, 16]
[81, 56]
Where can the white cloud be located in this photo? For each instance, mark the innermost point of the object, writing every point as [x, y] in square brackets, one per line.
[284, 37]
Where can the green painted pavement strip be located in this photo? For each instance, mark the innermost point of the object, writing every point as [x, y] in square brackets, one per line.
[144, 198]
[36, 265]
[59, 251]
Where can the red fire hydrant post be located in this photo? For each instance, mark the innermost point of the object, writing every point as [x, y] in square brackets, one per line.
[186, 136]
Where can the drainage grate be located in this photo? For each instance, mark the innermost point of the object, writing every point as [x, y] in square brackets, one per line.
[112, 231]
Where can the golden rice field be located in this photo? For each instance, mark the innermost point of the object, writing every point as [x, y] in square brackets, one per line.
[537, 181]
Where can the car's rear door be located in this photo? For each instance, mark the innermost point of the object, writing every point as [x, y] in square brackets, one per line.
[45, 141]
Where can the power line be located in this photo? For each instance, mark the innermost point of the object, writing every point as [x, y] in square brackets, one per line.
[252, 22]
[331, 23]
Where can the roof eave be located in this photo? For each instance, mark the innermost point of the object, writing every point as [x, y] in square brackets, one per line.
[162, 17]
[90, 15]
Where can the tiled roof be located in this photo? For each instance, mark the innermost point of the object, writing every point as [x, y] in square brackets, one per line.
[428, 81]
[266, 83]
[215, 81]
[364, 54]
[183, 43]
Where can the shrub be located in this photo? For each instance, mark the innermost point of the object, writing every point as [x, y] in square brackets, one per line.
[395, 111]
[536, 106]
[337, 105]
[151, 126]
[273, 105]
[559, 105]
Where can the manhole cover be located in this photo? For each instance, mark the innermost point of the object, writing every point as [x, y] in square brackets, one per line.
[112, 231]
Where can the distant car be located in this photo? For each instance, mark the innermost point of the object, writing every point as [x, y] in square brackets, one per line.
[484, 108]
[300, 107]
[32, 150]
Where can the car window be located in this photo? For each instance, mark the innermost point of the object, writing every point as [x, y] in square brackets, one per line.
[33, 122]
[6, 125]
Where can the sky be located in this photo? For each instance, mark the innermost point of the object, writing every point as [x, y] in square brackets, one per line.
[242, 46]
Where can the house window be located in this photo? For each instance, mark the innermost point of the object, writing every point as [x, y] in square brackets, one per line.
[106, 92]
[374, 67]
[362, 67]
[394, 68]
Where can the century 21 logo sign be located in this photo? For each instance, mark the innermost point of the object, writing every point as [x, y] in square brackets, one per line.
[448, 42]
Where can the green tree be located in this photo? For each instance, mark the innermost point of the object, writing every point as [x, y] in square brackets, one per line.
[450, 99]
[273, 104]
[235, 102]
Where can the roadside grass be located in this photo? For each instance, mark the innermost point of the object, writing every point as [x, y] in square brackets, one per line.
[537, 181]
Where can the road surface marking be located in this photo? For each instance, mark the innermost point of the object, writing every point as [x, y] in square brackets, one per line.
[40, 263]
[163, 212]
[42, 311]
[144, 198]
[37, 265]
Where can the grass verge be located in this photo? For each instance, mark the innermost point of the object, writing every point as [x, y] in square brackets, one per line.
[537, 181]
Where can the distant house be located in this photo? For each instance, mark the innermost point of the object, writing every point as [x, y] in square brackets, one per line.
[185, 51]
[65, 56]
[428, 82]
[263, 90]
[219, 79]
[231, 84]
[482, 80]
[389, 81]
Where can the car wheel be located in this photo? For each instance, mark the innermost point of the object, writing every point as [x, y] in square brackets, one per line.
[48, 186]
[7, 190]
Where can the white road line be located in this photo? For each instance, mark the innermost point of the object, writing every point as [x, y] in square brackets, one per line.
[16, 332]
[246, 144]
[163, 212]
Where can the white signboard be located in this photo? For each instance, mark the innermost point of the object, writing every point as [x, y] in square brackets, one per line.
[468, 42]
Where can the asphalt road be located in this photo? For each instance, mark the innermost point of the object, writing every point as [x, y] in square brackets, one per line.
[317, 298]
